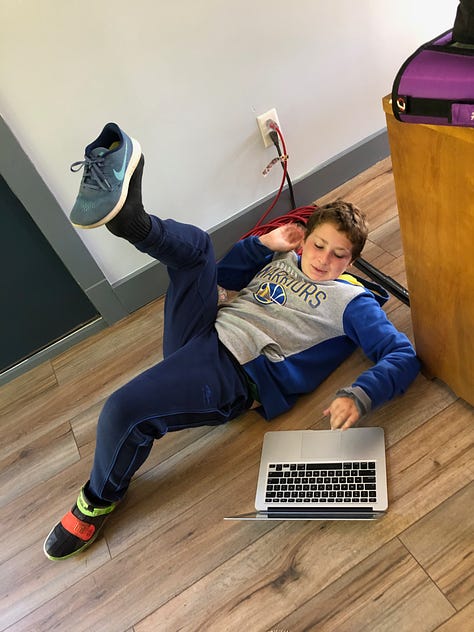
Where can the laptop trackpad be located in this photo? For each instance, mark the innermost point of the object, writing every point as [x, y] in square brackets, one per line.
[324, 444]
[340, 444]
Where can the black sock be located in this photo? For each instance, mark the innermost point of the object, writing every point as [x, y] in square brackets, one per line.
[94, 500]
[132, 222]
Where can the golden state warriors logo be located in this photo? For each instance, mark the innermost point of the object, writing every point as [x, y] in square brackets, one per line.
[270, 293]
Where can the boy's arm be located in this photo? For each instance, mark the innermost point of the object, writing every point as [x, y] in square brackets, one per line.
[250, 255]
[238, 267]
[395, 363]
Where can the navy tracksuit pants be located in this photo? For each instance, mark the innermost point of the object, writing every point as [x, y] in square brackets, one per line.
[197, 383]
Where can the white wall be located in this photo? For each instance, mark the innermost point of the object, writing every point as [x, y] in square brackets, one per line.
[188, 78]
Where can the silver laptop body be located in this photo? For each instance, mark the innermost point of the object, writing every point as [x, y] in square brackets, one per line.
[321, 475]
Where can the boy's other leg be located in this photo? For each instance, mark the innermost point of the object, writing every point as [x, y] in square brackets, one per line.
[198, 385]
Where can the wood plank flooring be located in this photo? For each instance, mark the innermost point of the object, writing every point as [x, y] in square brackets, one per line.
[167, 561]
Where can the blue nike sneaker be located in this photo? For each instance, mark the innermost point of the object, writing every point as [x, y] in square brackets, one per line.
[109, 163]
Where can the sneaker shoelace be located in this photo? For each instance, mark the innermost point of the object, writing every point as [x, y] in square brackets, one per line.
[94, 176]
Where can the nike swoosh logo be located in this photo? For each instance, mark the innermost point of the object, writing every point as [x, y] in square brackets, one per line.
[120, 174]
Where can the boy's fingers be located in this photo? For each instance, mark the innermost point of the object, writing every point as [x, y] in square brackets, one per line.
[343, 420]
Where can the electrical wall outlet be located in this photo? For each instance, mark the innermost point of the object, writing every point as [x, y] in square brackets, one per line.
[262, 125]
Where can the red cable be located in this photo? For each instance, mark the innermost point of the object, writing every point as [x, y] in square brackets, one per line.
[300, 214]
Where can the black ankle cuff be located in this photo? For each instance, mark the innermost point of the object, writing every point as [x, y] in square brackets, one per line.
[94, 500]
[133, 229]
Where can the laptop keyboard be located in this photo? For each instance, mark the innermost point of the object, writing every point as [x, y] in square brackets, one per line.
[320, 483]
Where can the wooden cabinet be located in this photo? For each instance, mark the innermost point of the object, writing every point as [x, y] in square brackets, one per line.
[433, 168]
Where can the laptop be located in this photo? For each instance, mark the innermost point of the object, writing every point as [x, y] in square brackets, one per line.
[321, 475]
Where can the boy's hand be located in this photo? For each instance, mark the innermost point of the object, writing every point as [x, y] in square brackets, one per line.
[342, 413]
[284, 238]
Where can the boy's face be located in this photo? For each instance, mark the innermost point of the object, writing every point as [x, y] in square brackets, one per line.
[326, 253]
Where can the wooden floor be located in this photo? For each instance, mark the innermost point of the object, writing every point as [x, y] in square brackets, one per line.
[167, 560]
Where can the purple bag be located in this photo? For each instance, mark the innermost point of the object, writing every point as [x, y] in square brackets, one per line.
[435, 85]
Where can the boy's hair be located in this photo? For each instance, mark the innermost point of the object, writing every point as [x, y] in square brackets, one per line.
[347, 218]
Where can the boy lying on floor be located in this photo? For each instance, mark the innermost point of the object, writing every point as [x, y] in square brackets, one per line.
[294, 320]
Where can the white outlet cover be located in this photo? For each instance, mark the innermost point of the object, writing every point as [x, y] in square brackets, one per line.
[262, 125]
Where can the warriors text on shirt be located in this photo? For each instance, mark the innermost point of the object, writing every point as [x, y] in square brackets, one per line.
[284, 275]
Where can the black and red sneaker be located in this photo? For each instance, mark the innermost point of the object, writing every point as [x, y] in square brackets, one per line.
[77, 530]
